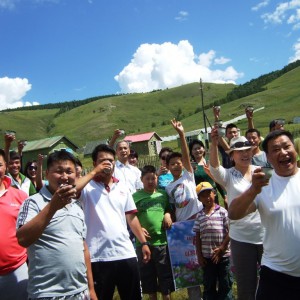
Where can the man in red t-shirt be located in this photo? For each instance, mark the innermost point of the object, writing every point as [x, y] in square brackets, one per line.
[13, 267]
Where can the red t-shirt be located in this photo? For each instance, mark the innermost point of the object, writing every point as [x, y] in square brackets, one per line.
[12, 255]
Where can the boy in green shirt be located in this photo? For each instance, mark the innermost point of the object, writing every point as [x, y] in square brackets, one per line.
[154, 215]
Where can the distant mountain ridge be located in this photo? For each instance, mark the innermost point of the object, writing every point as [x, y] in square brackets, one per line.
[97, 117]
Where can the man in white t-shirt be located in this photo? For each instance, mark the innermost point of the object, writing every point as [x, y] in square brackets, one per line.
[108, 205]
[277, 200]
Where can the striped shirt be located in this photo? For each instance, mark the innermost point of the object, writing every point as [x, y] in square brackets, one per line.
[213, 229]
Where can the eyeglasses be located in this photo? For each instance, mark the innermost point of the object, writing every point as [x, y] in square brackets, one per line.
[164, 157]
[31, 168]
[241, 145]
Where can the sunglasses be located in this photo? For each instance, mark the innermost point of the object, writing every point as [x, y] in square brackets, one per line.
[238, 145]
[163, 157]
[31, 168]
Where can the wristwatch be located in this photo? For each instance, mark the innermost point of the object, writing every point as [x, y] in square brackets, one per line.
[145, 243]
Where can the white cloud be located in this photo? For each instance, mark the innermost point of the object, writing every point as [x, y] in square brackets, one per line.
[222, 60]
[12, 90]
[160, 66]
[296, 48]
[284, 12]
[260, 5]
[11, 4]
[7, 4]
[182, 16]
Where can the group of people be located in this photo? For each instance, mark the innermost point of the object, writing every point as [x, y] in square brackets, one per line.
[70, 236]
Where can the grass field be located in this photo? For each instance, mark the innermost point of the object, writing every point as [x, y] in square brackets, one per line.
[144, 112]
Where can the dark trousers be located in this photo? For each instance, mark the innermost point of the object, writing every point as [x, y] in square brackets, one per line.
[217, 274]
[277, 286]
[123, 274]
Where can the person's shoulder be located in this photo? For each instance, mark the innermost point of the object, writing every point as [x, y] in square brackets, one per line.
[138, 193]
[222, 209]
[17, 193]
[161, 192]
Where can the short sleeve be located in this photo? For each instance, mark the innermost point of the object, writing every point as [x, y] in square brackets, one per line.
[28, 211]
[219, 174]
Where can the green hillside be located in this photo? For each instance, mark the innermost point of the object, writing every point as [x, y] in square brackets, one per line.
[152, 111]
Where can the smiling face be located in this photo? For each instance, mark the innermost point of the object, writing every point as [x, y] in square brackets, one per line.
[242, 158]
[231, 133]
[31, 171]
[198, 152]
[283, 156]
[175, 166]
[253, 138]
[14, 167]
[2, 167]
[60, 172]
[132, 160]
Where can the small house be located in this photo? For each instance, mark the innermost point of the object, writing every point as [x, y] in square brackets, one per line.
[148, 143]
[46, 146]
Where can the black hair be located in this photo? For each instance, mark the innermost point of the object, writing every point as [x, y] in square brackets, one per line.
[194, 142]
[172, 155]
[229, 126]
[133, 153]
[102, 148]
[13, 155]
[148, 169]
[273, 135]
[78, 162]
[28, 164]
[251, 130]
[164, 149]
[2, 153]
[272, 124]
[61, 155]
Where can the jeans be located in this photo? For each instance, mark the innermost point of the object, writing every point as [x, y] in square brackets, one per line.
[217, 275]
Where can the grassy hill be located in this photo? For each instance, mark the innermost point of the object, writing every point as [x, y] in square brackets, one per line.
[152, 111]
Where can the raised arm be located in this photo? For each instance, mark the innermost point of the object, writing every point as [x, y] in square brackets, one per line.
[39, 172]
[8, 139]
[249, 115]
[244, 203]
[30, 232]
[214, 152]
[116, 135]
[184, 147]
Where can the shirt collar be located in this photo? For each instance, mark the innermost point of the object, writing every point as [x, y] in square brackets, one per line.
[120, 164]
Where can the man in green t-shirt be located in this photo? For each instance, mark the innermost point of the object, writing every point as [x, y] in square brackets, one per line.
[155, 217]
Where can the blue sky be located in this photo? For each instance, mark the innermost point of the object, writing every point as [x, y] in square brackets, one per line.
[63, 50]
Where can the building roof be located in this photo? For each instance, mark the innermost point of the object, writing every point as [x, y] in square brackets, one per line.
[90, 146]
[141, 137]
[45, 143]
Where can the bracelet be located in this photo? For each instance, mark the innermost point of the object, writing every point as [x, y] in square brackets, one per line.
[145, 243]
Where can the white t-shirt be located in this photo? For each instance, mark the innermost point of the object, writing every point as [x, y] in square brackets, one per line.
[107, 235]
[182, 193]
[279, 207]
[130, 175]
[248, 229]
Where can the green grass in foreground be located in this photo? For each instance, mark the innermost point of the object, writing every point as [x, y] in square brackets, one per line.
[177, 295]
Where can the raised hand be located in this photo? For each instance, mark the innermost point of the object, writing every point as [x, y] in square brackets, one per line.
[177, 126]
